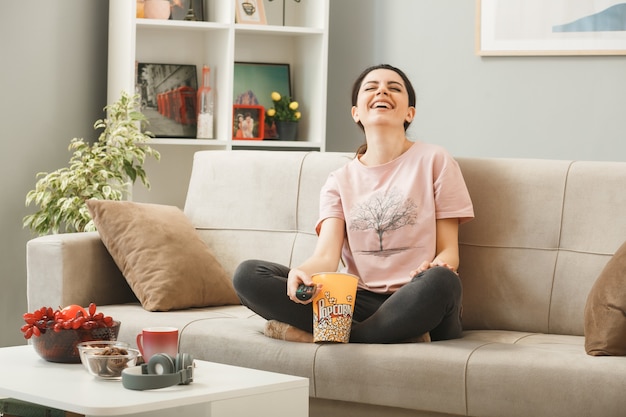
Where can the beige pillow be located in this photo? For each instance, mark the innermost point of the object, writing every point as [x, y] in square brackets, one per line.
[163, 258]
[605, 311]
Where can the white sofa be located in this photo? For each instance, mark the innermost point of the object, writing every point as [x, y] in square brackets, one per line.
[544, 230]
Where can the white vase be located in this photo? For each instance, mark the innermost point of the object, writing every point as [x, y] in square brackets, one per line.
[157, 9]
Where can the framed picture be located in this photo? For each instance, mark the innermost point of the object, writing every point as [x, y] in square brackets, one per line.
[254, 83]
[555, 27]
[250, 12]
[188, 10]
[248, 122]
[168, 98]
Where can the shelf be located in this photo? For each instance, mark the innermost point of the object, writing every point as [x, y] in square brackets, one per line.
[170, 25]
[277, 30]
[275, 144]
[234, 143]
[178, 25]
[182, 141]
[219, 43]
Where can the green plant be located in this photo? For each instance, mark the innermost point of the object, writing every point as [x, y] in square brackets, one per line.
[103, 170]
[284, 110]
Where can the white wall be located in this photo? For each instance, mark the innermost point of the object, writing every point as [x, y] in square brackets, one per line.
[531, 107]
[53, 85]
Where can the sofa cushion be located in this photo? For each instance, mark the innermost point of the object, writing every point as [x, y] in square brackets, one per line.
[605, 311]
[161, 255]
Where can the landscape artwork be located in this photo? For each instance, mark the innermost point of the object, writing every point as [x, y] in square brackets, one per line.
[555, 27]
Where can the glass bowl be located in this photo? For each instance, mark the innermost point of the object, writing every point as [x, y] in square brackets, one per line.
[61, 346]
[107, 359]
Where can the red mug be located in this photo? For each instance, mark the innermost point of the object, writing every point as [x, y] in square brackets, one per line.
[154, 340]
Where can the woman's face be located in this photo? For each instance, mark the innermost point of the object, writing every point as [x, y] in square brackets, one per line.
[383, 100]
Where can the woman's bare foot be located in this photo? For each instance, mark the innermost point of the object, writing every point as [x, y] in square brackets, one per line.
[283, 331]
[425, 338]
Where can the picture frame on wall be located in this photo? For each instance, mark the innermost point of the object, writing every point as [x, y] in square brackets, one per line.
[248, 122]
[254, 82]
[556, 27]
[188, 10]
[250, 12]
[168, 98]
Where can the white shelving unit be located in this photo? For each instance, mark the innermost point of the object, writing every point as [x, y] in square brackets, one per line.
[220, 42]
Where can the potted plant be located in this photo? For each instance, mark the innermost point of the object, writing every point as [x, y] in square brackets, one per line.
[102, 170]
[285, 115]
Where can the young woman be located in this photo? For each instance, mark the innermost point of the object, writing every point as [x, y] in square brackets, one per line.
[392, 215]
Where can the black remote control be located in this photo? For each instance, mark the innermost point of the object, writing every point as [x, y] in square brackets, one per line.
[305, 292]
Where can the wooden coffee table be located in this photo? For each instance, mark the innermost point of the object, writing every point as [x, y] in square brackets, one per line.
[217, 391]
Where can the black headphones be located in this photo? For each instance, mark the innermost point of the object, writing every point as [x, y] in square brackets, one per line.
[162, 370]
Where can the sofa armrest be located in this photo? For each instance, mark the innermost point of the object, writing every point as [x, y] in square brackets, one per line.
[73, 268]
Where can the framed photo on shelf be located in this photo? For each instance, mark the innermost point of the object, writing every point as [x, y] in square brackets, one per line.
[168, 98]
[250, 12]
[188, 10]
[557, 27]
[248, 122]
[254, 83]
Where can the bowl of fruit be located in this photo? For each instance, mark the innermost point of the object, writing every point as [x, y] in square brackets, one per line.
[55, 334]
[107, 359]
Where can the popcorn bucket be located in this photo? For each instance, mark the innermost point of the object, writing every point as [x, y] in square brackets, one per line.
[333, 307]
